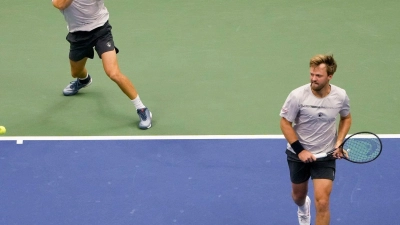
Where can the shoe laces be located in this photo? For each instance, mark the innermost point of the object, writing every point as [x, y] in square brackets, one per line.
[142, 114]
[304, 218]
[75, 83]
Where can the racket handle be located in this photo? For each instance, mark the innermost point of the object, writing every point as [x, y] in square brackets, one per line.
[320, 155]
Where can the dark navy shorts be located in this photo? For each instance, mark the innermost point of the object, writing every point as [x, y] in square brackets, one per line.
[300, 172]
[83, 43]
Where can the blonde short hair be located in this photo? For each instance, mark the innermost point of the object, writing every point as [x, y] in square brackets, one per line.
[328, 60]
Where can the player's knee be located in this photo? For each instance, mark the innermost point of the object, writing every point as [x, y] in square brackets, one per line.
[114, 75]
[299, 192]
[322, 205]
[299, 196]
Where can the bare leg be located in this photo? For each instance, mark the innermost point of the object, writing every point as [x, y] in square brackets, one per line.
[78, 69]
[322, 191]
[299, 193]
[112, 70]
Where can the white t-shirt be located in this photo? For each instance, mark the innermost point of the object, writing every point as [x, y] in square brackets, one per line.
[313, 118]
[85, 15]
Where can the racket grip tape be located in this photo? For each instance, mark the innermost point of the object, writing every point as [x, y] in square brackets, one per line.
[320, 155]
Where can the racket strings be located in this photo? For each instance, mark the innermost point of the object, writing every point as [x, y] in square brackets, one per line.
[363, 149]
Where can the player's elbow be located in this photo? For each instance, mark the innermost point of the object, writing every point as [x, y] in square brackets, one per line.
[346, 118]
[61, 5]
[58, 6]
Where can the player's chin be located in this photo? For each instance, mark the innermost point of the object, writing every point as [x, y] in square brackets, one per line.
[316, 87]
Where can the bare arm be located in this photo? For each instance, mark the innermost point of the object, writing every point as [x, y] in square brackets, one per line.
[288, 130]
[62, 4]
[344, 127]
[290, 135]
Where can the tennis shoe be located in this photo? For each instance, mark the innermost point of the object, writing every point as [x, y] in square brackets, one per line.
[305, 218]
[145, 117]
[75, 86]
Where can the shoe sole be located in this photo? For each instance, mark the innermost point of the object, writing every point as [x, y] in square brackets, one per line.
[145, 128]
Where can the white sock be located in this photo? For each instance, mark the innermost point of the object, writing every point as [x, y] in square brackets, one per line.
[304, 208]
[85, 77]
[138, 103]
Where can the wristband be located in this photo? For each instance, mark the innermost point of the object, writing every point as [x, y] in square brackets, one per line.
[297, 147]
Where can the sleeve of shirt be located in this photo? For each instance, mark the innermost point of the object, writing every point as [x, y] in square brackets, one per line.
[346, 106]
[290, 108]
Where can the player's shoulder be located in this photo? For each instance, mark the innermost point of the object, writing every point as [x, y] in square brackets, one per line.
[301, 90]
[338, 90]
[338, 93]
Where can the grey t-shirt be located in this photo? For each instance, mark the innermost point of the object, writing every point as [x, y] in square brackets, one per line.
[85, 15]
[313, 118]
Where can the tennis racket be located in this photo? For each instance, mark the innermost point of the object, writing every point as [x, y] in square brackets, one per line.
[361, 147]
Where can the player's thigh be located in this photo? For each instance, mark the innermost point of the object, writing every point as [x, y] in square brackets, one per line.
[299, 171]
[322, 192]
[107, 50]
[110, 63]
[299, 191]
[323, 175]
[322, 187]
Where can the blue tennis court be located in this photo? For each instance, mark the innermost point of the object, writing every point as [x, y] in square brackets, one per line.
[214, 180]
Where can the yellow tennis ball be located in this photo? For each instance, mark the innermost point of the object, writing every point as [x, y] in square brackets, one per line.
[2, 130]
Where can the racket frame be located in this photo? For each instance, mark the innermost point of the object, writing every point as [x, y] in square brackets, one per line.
[329, 154]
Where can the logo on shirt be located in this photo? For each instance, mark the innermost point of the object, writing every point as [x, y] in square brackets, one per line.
[108, 44]
[317, 107]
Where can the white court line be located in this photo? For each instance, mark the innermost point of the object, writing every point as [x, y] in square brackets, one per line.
[156, 137]
[160, 137]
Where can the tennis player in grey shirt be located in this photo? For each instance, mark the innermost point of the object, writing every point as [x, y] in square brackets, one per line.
[89, 30]
[308, 122]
